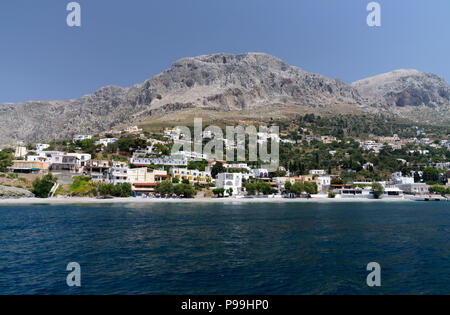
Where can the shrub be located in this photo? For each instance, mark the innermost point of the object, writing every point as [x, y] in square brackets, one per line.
[42, 186]
[377, 190]
[120, 190]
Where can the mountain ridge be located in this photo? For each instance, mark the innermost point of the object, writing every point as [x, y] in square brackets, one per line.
[223, 82]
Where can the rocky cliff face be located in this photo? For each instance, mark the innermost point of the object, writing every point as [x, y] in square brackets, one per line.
[220, 82]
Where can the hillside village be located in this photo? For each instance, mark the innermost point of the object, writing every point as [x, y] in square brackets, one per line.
[137, 163]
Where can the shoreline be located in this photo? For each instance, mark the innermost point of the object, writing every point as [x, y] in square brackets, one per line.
[131, 200]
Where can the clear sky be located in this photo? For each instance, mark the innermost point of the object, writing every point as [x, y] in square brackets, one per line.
[124, 42]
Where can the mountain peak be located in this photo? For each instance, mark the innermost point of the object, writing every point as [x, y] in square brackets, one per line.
[226, 60]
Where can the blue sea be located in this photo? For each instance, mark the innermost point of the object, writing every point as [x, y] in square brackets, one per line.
[291, 248]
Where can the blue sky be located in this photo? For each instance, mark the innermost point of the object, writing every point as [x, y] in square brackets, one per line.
[126, 42]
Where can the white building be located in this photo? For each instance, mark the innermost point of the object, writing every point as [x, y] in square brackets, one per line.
[118, 173]
[317, 172]
[414, 189]
[323, 182]
[147, 150]
[175, 134]
[243, 166]
[132, 129]
[371, 145]
[351, 193]
[166, 161]
[399, 179]
[42, 146]
[82, 158]
[51, 155]
[45, 156]
[105, 141]
[421, 152]
[230, 180]
[288, 141]
[81, 137]
[266, 135]
[20, 152]
[189, 155]
[260, 173]
[38, 158]
[392, 193]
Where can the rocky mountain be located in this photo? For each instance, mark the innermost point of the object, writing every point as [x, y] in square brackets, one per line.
[413, 94]
[405, 88]
[219, 82]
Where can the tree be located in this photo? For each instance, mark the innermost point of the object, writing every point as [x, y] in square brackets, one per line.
[43, 186]
[431, 175]
[187, 191]
[250, 188]
[441, 190]
[337, 181]
[125, 190]
[175, 180]
[219, 192]
[217, 169]
[310, 188]
[197, 165]
[164, 188]
[111, 148]
[130, 144]
[288, 186]
[230, 191]
[264, 188]
[185, 181]
[6, 159]
[377, 190]
[298, 188]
